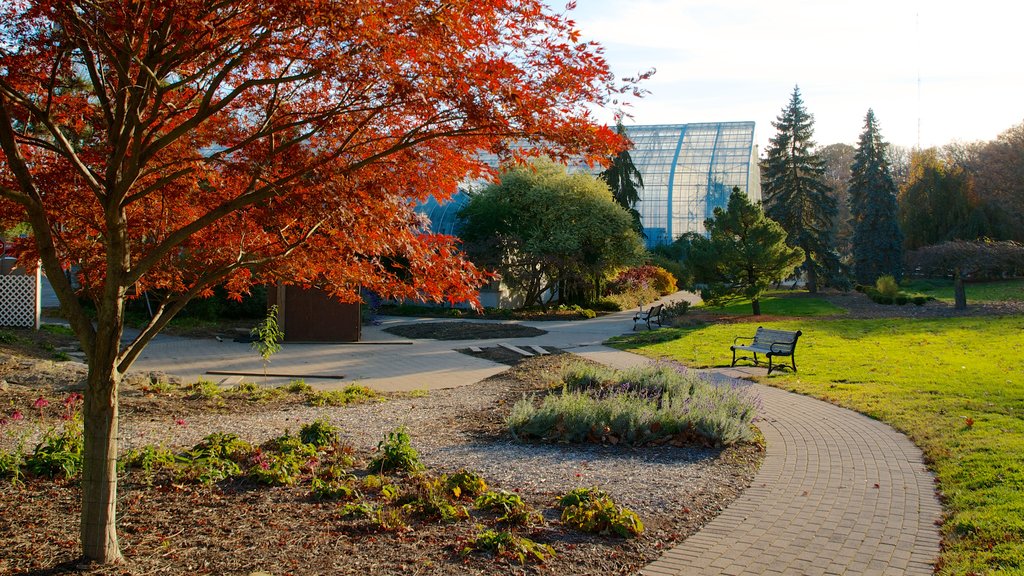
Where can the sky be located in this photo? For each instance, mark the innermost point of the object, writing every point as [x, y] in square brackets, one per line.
[934, 72]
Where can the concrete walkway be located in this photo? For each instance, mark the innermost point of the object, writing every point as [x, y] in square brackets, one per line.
[838, 493]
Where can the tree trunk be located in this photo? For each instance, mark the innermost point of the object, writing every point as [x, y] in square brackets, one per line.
[812, 276]
[99, 471]
[959, 294]
[756, 305]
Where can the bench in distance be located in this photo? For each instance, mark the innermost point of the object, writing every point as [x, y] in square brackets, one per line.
[771, 343]
[651, 315]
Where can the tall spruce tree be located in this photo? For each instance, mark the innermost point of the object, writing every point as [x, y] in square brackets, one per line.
[625, 181]
[874, 213]
[796, 195]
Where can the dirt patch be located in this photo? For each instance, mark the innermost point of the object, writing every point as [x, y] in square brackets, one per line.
[464, 331]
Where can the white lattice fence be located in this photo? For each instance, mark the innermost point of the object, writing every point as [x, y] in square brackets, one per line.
[19, 300]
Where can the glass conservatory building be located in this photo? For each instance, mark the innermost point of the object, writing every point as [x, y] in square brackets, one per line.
[688, 171]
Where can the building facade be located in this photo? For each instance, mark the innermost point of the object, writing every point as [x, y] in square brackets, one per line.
[688, 171]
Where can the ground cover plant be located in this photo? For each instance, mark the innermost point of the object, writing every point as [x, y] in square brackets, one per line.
[953, 385]
[651, 404]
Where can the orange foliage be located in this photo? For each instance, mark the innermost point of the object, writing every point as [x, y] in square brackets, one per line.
[178, 144]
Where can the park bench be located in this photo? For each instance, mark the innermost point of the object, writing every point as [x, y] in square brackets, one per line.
[651, 315]
[771, 343]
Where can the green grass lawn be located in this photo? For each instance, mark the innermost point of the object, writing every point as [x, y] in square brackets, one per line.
[954, 386]
[976, 291]
[780, 304]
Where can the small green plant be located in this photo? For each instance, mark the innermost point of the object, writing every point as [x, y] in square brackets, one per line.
[578, 496]
[333, 489]
[12, 462]
[319, 433]
[433, 500]
[150, 459]
[392, 519]
[59, 452]
[395, 453]
[465, 484]
[203, 389]
[351, 394]
[593, 511]
[254, 392]
[217, 457]
[511, 506]
[298, 387]
[357, 510]
[887, 286]
[267, 337]
[504, 544]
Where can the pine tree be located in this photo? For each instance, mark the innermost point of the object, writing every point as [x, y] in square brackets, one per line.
[744, 254]
[625, 181]
[795, 193]
[877, 239]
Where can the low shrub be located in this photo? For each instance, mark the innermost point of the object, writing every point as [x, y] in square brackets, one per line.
[504, 544]
[637, 406]
[606, 305]
[675, 309]
[333, 488]
[298, 387]
[465, 484]
[357, 510]
[510, 506]
[391, 519]
[395, 453]
[351, 394]
[319, 433]
[150, 459]
[432, 499]
[59, 453]
[217, 457]
[887, 286]
[203, 389]
[253, 392]
[598, 514]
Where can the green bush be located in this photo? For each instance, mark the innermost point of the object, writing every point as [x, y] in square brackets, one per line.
[432, 499]
[901, 299]
[150, 459]
[465, 484]
[298, 387]
[319, 433]
[887, 286]
[333, 488]
[351, 394]
[600, 515]
[635, 406]
[203, 389]
[395, 453]
[920, 300]
[606, 305]
[217, 457]
[59, 452]
[511, 506]
[505, 544]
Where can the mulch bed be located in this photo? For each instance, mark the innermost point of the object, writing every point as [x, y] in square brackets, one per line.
[238, 527]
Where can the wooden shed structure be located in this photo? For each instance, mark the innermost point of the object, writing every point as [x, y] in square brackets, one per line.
[311, 315]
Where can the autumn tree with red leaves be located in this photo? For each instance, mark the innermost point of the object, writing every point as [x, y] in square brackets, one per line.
[177, 145]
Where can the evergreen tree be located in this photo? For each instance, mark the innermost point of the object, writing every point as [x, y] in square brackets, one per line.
[877, 239]
[795, 193]
[744, 254]
[625, 181]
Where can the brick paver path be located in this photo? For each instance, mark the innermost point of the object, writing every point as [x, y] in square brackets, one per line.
[838, 493]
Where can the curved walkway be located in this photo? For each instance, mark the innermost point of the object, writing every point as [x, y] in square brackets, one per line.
[838, 493]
